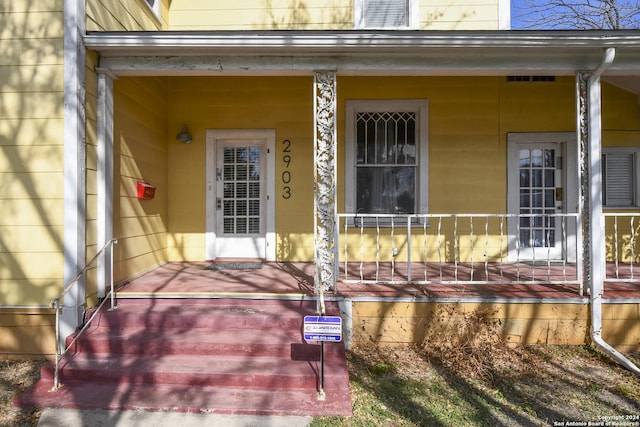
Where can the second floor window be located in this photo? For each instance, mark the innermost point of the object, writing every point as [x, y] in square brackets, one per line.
[386, 14]
[154, 5]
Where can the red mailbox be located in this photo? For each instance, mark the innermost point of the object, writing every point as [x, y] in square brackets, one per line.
[145, 191]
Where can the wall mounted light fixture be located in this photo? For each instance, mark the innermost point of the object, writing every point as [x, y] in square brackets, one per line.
[184, 135]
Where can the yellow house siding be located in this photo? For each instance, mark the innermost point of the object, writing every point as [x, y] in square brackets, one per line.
[29, 53]
[141, 155]
[27, 333]
[621, 325]
[20, 6]
[469, 119]
[281, 103]
[526, 323]
[32, 78]
[121, 15]
[320, 15]
[260, 15]
[459, 15]
[463, 131]
[623, 110]
[31, 160]
[30, 24]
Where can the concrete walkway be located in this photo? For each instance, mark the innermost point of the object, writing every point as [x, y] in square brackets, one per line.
[99, 418]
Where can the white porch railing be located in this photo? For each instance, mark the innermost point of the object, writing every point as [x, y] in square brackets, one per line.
[622, 246]
[457, 248]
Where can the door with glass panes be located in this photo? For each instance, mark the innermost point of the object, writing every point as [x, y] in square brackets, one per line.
[240, 199]
[536, 196]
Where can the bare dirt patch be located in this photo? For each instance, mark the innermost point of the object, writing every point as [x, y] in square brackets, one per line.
[17, 376]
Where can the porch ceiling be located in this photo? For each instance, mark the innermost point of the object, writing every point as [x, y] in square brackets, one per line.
[364, 52]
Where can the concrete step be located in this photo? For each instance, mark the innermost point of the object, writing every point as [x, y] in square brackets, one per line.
[209, 314]
[191, 398]
[222, 371]
[285, 343]
[243, 357]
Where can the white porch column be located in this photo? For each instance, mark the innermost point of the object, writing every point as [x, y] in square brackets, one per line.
[105, 179]
[590, 140]
[74, 165]
[325, 172]
[590, 126]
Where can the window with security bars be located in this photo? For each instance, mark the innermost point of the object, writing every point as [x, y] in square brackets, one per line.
[621, 175]
[241, 184]
[385, 14]
[386, 162]
[387, 157]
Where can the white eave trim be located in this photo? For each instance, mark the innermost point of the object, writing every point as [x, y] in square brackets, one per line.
[332, 40]
[353, 52]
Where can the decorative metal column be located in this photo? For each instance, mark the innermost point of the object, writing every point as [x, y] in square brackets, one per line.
[325, 171]
[582, 113]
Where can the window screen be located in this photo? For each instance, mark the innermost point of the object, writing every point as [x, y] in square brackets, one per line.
[386, 13]
[618, 169]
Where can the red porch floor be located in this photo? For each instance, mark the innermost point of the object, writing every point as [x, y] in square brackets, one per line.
[296, 278]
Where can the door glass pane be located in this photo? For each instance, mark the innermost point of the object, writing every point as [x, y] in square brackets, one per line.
[549, 158]
[536, 158]
[550, 198]
[525, 199]
[241, 196]
[525, 178]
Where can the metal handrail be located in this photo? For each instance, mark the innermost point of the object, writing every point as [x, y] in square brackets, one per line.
[55, 304]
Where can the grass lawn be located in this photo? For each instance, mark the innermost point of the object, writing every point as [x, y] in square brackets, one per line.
[500, 386]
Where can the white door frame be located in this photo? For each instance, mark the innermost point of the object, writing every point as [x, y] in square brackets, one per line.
[569, 171]
[212, 138]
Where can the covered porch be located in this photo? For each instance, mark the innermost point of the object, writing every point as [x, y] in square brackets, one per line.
[317, 219]
[549, 229]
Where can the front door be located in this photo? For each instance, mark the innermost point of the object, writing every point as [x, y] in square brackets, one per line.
[239, 200]
[537, 194]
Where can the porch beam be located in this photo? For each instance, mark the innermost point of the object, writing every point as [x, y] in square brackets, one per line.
[402, 52]
[459, 61]
[325, 178]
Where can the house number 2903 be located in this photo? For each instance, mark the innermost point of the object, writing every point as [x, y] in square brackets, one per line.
[286, 173]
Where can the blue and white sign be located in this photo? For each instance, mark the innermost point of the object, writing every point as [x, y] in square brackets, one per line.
[323, 328]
